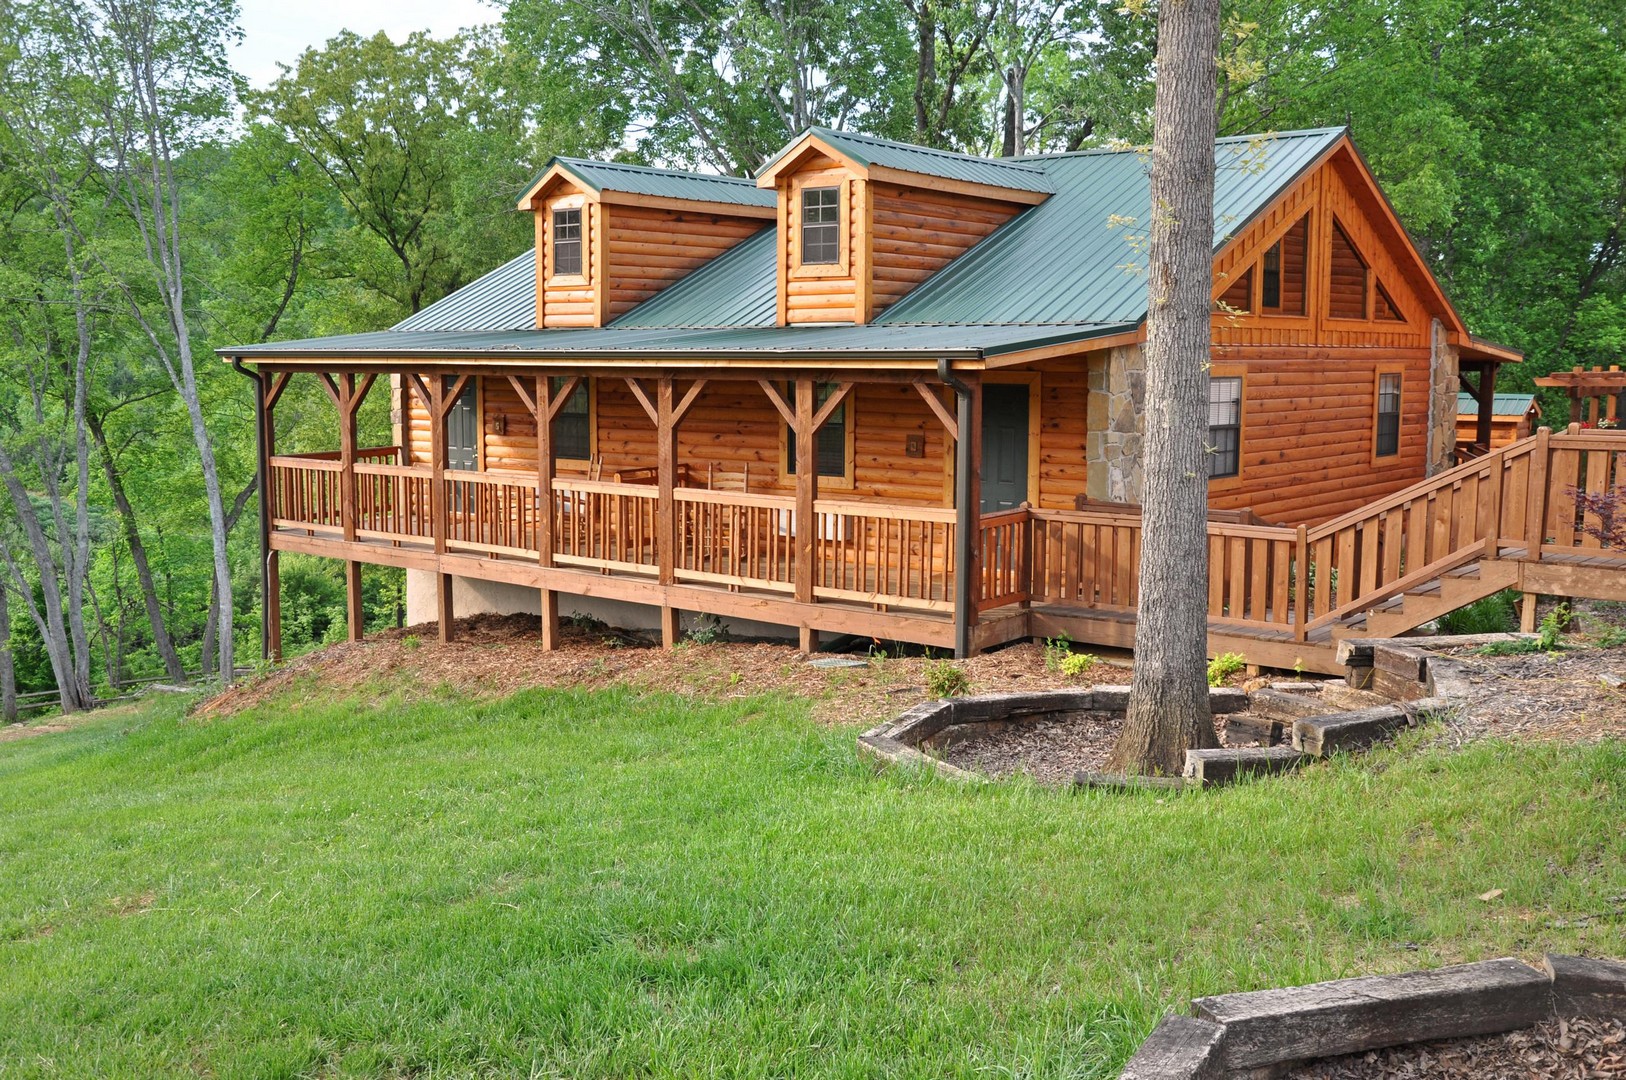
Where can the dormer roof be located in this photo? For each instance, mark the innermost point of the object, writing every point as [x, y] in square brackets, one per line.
[668, 185]
[883, 159]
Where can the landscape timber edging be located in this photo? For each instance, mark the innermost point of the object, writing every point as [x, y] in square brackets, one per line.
[1261, 1032]
[1424, 684]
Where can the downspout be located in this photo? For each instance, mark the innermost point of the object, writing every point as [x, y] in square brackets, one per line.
[964, 538]
[262, 481]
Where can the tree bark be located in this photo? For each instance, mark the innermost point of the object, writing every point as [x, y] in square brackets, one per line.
[1168, 702]
[8, 669]
[138, 552]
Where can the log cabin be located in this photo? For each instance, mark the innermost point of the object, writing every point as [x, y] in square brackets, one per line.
[1513, 417]
[893, 392]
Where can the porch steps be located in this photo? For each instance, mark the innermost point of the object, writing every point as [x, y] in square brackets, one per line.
[1429, 601]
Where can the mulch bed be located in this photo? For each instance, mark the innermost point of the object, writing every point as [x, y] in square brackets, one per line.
[1560, 695]
[1050, 750]
[1586, 1048]
[496, 655]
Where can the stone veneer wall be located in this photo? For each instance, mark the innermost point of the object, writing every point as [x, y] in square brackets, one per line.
[1442, 401]
[1117, 381]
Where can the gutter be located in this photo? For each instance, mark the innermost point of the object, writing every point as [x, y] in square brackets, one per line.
[263, 481]
[964, 512]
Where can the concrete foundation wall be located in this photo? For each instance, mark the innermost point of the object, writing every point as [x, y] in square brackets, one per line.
[471, 596]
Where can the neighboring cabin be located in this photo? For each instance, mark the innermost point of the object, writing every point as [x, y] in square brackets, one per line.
[1513, 417]
[859, 305]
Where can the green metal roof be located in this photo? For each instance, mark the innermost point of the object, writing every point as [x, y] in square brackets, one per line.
[735, 289]
[1511, 405]
[664, 183]
[771, 344]
[1080, 255]
[504, 299]
[945, 164]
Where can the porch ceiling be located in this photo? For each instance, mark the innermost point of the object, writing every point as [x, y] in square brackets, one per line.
[695, 347]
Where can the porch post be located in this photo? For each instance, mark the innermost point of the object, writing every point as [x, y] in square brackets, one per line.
[437, 501]
[549, 607]
[665, 508]
[1487, 398]
[807, 494]
[968, 512]
[268, 388]
[344, 393]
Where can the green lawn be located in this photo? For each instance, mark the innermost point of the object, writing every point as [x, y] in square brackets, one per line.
[605, 884]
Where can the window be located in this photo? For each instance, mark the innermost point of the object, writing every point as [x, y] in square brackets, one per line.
[1224, 427]
[1388, 435]
[1270, 290]
[573, 425]
[830, 445]
[567, 243]
[1281, 284]
[821, 225]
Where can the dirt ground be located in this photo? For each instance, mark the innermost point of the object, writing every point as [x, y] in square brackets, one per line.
[495, 655]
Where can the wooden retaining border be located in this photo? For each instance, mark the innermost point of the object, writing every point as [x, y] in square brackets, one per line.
[1421, 684]
[1263, 1033]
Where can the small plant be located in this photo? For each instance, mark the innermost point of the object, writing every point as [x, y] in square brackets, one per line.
[1056, 651]
[1076, 665]
[411, 641]
[1223, 666]
[945, 679]
[1610, 637]
[709, 630]
[877, 654]
[1556, 622]
[1495, 614]
[1298, 667]
[590, 623]
[734, 678]
[1518, 647]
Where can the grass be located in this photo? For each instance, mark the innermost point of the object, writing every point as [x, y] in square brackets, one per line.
[603, 884]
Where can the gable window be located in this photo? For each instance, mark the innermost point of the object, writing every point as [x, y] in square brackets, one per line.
[1347, 297]
[1281, 284]
[1224, 427]
[573, 424]
[821, 226]
[567, 242]
[830, 445]
[1388, 429]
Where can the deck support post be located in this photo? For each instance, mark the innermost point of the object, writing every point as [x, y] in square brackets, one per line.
[354, 612]
[435, 397]
[347, 397]
[542, 412]
[1527, 614]
[807, 494]
[665, 508]
[273, 608]
[444, 612]
[967, 503]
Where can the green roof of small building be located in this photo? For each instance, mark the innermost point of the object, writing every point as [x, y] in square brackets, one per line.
[1017, 175]
[1506, 405]
[662, 183]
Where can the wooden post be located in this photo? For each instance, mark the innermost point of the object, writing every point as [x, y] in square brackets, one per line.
[1487, 398]
[1535, 524]
[273, 608]
[354, 614]
[1527, 614]
[549, 600]
[807, 493]
[438, 511]
[1301, 585]
[973, 514]
[665, 506]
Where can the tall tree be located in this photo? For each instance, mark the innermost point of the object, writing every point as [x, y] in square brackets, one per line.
[8, 665]
[1168, 699]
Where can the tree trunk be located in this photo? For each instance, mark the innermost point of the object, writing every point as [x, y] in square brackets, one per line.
[1168, 701]
[8, 669]
[138, 553]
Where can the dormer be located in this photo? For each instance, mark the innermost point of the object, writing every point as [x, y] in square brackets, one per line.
[610, 236]
[863, 221]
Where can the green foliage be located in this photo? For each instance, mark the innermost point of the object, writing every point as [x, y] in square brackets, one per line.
[709, 630]
[1610, 637]
[1552, 627]
[1077, 665]
[721, 887]
[1495, 614]
[1056, 651]
[946, 679]
[1224, 666]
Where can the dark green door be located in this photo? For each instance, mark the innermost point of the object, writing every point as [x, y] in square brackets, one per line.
[463, 430]
[1004, 446]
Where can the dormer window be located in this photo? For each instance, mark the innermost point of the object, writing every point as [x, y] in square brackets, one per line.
[567, 243]
[821, 226]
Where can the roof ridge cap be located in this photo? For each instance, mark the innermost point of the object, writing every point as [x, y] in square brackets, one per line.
[1014, 163]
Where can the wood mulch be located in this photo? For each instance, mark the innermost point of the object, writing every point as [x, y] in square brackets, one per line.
[495, 655]
[1585, 1048]
[1565, 695]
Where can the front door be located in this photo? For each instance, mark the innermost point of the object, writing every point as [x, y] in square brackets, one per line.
[1004, 446]
[463, 429]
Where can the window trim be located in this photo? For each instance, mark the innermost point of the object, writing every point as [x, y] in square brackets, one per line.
[1239, 373]
[822, 178]
[1378, 372]
[569, 202]
[589, 385]
[846, 481]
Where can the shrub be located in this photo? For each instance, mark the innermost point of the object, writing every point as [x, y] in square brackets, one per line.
[1075, 665]
[945, 679]
[1495, 614]
[411, 641]
[1223, 666]
[1556, 622]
